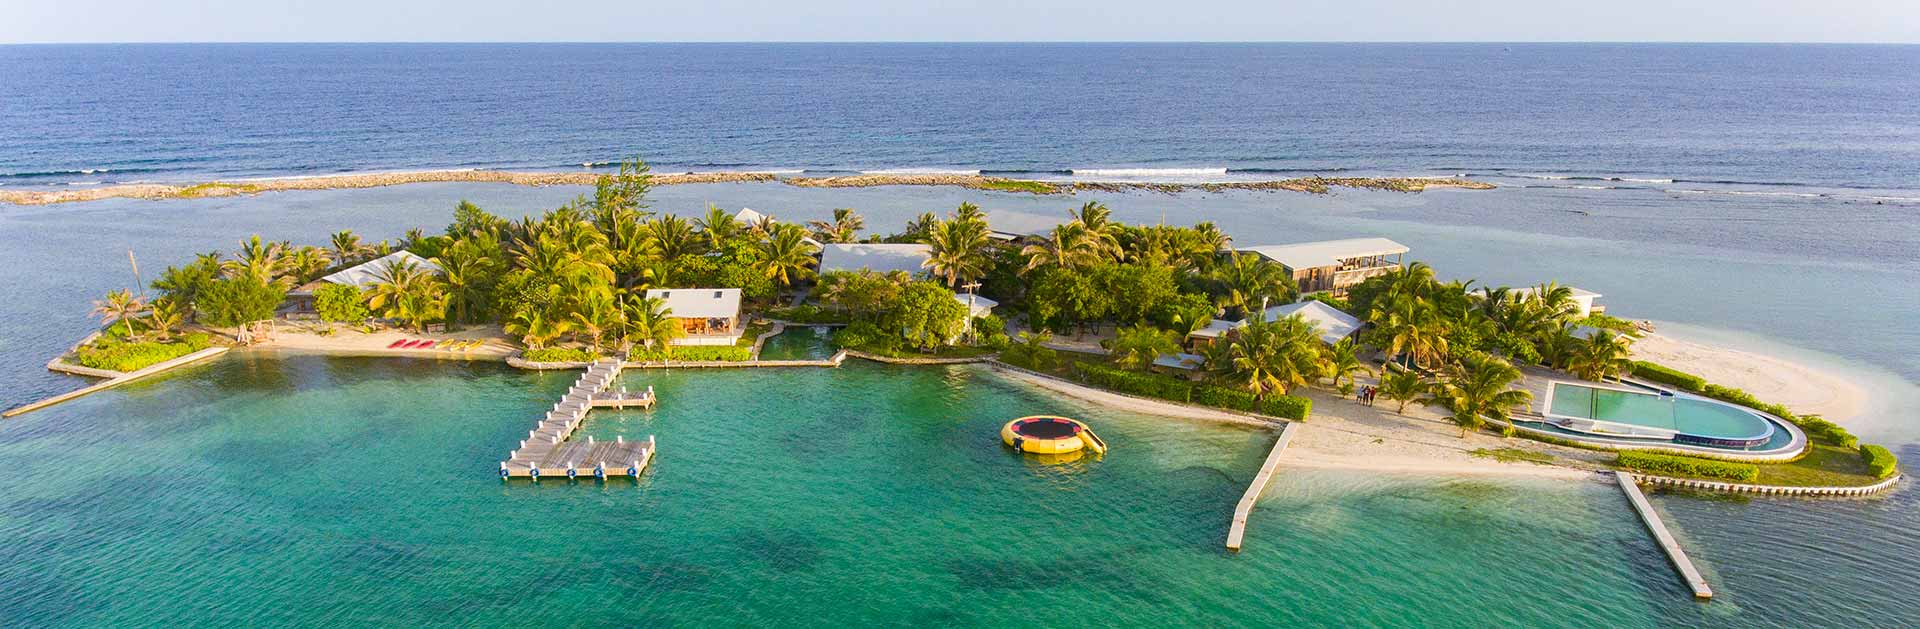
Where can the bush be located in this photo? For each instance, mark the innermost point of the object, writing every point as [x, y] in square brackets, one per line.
[1287, 407]
[1133, 382]
[1823, 431]
[806, 313]
[196, 341]
[1223, 397]
[340, 303]
[694, 353]
[125, 357]
[1879, 460]
[1653, 372]
[559, 355]
[1034, 358]
[867, 337]
[232, 302]
[1687, 466]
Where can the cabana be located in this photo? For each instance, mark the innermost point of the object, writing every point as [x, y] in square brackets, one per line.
[361, 276]
[709, 316]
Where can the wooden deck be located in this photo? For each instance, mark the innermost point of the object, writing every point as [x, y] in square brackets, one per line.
[548, 451]
[1681, 564]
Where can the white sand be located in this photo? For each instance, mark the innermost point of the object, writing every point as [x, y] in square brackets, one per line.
[347, 341]
[1804, 389]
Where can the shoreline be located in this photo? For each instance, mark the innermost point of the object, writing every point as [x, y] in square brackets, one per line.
[247, 187]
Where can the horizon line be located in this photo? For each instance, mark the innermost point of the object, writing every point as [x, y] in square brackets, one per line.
[1488, 42]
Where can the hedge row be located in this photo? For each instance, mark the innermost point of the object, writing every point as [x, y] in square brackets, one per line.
[1165, 388]
[694, 353]
[559, 355]
[124, 357]
[1687, 466]
[1654, 372]
[1879, 460]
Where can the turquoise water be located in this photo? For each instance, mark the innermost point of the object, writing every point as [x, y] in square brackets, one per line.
[799, 343]
[303, 490]
[1686, 415]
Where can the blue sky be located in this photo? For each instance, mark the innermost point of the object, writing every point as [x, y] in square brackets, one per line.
[31, 21]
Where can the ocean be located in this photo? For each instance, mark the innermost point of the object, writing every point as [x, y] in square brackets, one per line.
[1756, 196]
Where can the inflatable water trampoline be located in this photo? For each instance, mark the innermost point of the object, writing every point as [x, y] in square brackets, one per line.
[1046, 434]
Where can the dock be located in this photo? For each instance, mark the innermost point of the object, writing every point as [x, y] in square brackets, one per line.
[1237, 533]
[119, 380]
[1675, 555]
[548, 451]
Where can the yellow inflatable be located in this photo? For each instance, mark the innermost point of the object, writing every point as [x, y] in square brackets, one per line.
[1046, 434]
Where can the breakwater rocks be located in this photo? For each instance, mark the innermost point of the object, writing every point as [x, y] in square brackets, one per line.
[1314, 185]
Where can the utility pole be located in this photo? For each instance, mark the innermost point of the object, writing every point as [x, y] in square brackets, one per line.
[970, 302]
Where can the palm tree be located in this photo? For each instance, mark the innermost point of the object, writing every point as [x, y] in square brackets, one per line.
[465, 266]
[1343, 363]
[347, 248]
[1601, 355]
[1410, 327]
[1557, 345]
[1402, 386]
[535, 328]
[845, 227]
[671, 237]
[1068, 246]
[166, 318]
[120, 306]
[650, 321]
[405, 291]
[957, 251]
[595, 314]
[1249, 280]
[1138, 346]
[1273, 357]
[918, 228]
[719, 227]
[1096, 218]
[1477, 389]
[263, 262]
[785, 256]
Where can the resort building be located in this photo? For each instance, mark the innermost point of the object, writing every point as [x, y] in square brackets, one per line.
[876, 257]
[1020, 227]
[1582, 299]
[709, 316]
[1333, 266]
[361, 276]
[1334, 326]
[977, 305]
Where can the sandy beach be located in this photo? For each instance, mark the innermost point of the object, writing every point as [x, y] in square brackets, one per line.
[1805, 389]
[346, 341]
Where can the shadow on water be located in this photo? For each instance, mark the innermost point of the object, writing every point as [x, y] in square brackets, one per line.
[785, 551]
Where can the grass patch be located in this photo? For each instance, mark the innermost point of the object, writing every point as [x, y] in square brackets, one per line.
[1019, 185]
[1514, 455]
[1823, 466]
[215, 188]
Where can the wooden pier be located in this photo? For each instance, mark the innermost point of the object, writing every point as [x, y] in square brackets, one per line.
[548, 451]
[119, 380]
[1678, 557]
[1237, 533]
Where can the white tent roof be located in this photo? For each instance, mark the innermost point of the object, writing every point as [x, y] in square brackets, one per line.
[1334, 325]
[747, 215]
[1180, 361]
[369, 273]
[876, 257]
[1307, 255]
[1577, 292]
[699, 303]
[981, 305]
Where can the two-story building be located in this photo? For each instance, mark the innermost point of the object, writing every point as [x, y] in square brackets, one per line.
[1333, 266]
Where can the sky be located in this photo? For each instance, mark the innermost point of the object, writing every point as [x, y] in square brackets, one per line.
[68, 21]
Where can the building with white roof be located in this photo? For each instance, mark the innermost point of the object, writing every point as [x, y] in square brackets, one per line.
[709, 316]
[876, 257]
[367, 273]
[1334, 265]
[1582, 298]
[1009, 225]
[1334, 326]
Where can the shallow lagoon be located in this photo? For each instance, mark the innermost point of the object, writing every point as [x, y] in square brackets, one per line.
[264, 489]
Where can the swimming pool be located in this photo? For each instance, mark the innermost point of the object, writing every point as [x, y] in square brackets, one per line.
[1653, 416]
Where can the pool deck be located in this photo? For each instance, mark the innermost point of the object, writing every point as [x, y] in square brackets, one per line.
[1236, 534]
[1678, 557]
[548, 451]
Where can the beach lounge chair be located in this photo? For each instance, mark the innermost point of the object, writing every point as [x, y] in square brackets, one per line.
[426, 344]
[395, 344]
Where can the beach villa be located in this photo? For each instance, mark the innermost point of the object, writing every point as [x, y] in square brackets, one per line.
[1333, 266]
[1020, 227]
[1582, 299]
[361, 276]
[1333, 325]
[709, 316]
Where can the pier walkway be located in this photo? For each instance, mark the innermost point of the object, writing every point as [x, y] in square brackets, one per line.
[1678, 557]
[119, 380]
[548, 452]
[1238, 531]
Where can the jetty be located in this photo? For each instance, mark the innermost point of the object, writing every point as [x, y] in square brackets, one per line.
[1678, 557]
[1238, 532]
[117, 380]
[548, 451]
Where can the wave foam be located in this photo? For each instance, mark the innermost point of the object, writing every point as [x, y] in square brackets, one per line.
[1147, 172]
[923, 171]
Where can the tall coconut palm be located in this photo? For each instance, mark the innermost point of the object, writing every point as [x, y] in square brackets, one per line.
[1601, 355]
[845, 226]
[347, 248]
[166, 318]
[466, 266]
[535, 328]
[785, 256]
[1402, 386]
[957, 251]
[1249, 280]
[649, 322]
[719, 227]
[1069, 246]
[1410, 327]
[1136, 347]
[303, 264]
[1098, 221]
[122, 307]
[1342, 364]
[264, 262]
[407, 292]
[1268, 357]
[594, 315]
[671, 237]
[1477, 389]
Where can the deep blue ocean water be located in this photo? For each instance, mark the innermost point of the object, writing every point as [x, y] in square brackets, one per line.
[1766, 117]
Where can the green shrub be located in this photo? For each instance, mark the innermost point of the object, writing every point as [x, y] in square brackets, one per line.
[1687, 466]
[1223, 397]
[1879, 460]
[1034, 358]
[132, 356]
[1287, 407]
[867, 337]
[1653, 372]
[196, 341]
[1823, 431]
[340, 303]
[559, 355]
[694, 353]
[806, 313]
[1133, 382]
